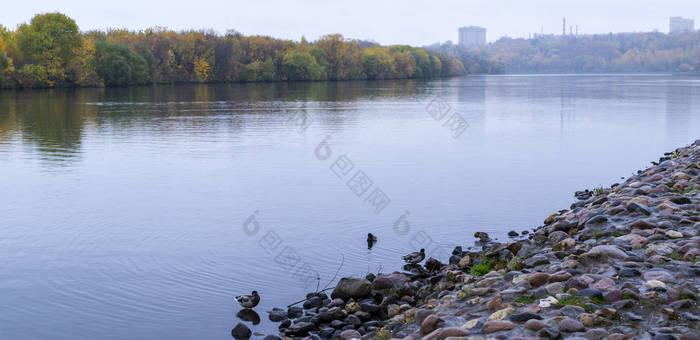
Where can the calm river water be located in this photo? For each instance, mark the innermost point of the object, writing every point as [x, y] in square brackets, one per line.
[141, 212]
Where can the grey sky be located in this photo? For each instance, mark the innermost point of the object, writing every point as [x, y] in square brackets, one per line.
[415, 22]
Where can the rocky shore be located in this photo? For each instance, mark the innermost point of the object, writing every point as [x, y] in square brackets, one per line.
[620, 263]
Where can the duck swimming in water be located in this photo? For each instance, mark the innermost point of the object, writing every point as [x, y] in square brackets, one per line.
[249, 301]
[371, 240]
[415, 257]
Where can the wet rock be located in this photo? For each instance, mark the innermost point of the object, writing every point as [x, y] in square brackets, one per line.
[464, 262]
[651, 284]
[493, 326]
[482, 236]
[590, 292]
[350, 334]
[537, 279]
[606, 285]
[349, 287]
[294, 312]
[534, 324]
[523, 317]
[576, 282]
[313, 302]
[241, 332]
[571, 325]
[501, 314]
[629, 272]
[535, 261]
[549, 333]
[430, 324]
[658, 275]
[277, 314]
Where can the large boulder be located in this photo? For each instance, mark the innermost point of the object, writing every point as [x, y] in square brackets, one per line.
[390, 281]
[351, 287]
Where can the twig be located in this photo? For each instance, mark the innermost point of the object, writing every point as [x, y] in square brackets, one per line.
[342, 261]
[300, 301]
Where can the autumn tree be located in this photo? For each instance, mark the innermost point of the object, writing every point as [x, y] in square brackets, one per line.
[48, 43]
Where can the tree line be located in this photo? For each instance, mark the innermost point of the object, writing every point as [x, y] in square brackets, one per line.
[51, 51]
[621, 52]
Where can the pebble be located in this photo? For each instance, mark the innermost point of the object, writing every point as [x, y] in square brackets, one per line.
[571, 325]
[497, 325]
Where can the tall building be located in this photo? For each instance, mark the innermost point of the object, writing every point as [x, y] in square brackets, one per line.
[472, 36]
[679, 24]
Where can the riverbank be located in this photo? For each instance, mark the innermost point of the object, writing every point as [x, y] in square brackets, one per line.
[620, 263]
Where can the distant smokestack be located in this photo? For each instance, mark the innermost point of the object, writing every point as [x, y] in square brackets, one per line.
[563, 27]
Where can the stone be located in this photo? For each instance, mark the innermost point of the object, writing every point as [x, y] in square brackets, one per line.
[429, 324]
[549, 333]
[352, 307]
[299, 328]
[548, 302]
[501, 314]
[350, 334]
[369, 307]
[570, 325]
[534, 325]
[576, 282]
[554, 288]
[523, 317]
[277, 314]
[389, 281]
[535, 261]
[350, 287]
[606, 285]
[629, 272]
[651, 284]
[482, 236]
[471, 324]
[495, 303]
[241, 332]
[596, 334]
[294, 312]
[610, 251]
[560, 276]
[557, 236]
[537, 279]
[638, 207]
[673, 234]
[493, 326]
[448, 332]
[464, 262]
[659, 275]
[590, 292]
[313, 302]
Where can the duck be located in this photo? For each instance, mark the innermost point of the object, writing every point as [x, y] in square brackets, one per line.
[249, 301]
[415, 257]
[371, 240]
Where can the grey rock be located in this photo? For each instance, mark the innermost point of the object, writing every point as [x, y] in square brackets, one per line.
[571, 325]
[351, 287]
[241, 332]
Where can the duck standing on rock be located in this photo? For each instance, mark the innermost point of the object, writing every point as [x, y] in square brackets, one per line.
[371, 240]
[249, 301]
[415, 257]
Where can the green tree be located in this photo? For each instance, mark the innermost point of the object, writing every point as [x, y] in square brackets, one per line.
[50, 41]
[119, 65]
[298, 65]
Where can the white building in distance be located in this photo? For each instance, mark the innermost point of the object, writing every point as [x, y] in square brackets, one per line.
[472, 36]
[679, 24]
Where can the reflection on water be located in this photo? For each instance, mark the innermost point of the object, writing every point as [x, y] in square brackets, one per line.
[122, 209]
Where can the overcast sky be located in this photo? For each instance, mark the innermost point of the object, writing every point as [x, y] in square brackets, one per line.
[414, 22]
